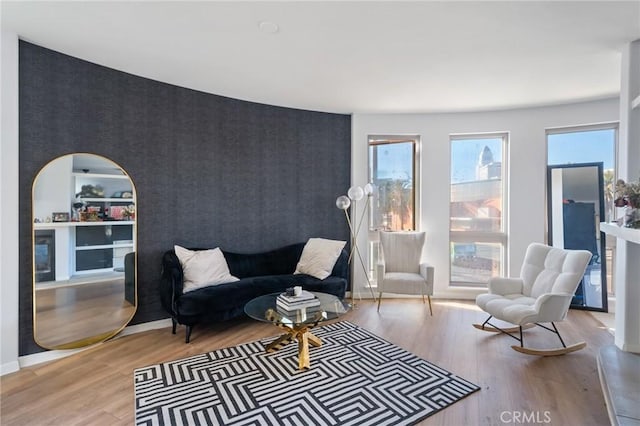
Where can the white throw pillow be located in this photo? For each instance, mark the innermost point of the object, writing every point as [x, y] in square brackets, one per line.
[319, 257]
[202, 268]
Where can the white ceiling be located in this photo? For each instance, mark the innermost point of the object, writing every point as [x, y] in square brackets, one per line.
[351, 56]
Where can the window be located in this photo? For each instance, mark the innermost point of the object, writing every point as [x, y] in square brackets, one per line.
[587, 144]
[393, 169]
[477, 208]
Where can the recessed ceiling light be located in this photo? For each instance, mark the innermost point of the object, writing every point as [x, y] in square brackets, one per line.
[269, 27]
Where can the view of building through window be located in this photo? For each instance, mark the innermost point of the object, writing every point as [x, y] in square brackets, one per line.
[477, 210]
[391, 169]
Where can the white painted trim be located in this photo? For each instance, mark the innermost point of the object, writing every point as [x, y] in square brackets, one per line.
[9, 219]
[9, 367]
[627, 347]
[40, 357]
[628, 234]
[458, 294]
[146, 326]
[605, 392]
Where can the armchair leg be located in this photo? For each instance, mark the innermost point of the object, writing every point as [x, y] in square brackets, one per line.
[174, 323]
[430, 310]
[379, 300]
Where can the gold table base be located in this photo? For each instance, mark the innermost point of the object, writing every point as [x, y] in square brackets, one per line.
[299, 332]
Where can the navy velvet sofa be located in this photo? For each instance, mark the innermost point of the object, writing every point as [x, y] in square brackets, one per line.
[259, 273]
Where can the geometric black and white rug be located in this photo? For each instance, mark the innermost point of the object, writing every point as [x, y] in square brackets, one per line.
[356, 378]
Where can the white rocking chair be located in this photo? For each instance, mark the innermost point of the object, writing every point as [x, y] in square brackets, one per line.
[548, 280]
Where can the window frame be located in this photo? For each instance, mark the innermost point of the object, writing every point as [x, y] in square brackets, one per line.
[608, 125]
[373, 235]
[377, 140]
[495, 237]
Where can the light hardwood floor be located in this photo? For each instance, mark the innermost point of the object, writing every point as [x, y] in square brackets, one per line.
[95, 387]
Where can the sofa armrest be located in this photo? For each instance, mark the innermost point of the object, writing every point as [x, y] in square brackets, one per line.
[341, 268]
[427, 271]
[171, 281]
[504, 286]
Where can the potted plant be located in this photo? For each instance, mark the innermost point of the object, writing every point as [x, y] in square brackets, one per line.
[628, 196]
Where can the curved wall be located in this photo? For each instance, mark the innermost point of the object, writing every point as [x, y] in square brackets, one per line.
[526, 173]
[209, 170]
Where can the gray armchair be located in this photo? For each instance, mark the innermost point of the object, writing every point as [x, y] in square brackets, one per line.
[400, 269]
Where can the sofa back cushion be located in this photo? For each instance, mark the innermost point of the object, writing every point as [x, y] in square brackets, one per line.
[203, 268]
[318, 257]
[281, 261]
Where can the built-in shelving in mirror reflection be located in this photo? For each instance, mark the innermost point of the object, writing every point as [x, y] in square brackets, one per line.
[84, 251]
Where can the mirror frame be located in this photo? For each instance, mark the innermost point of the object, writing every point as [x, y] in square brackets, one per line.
[102, 336]
[601, 212]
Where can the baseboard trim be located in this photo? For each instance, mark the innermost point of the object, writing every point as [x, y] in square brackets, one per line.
[52, 355]
[9, 367]
[456, 295]
[145, 326]
[627, 347]
[46, 356]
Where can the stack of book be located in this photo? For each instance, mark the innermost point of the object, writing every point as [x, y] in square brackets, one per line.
[290, 304]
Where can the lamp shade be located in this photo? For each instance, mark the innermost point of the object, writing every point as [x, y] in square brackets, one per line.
[355, 193]
[370, 189]
[343, 202]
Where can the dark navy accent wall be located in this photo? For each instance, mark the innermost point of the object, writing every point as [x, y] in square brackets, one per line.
[209, 170]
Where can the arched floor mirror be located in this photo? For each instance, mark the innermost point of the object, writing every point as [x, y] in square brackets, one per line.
[84, 245]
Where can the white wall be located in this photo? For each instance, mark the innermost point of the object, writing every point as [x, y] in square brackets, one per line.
[526, 173]
[52, 188]
[9, 204]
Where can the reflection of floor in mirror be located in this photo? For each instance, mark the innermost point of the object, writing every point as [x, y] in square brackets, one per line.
[81, 280]
[68, 314]
[608, 319]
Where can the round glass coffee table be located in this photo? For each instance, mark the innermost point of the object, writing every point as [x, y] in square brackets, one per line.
[296, 323]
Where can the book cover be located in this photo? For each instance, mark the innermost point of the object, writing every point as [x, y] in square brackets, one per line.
[293, 299]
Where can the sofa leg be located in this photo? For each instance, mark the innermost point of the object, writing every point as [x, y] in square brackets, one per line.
[188, 336]
[174, 324]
